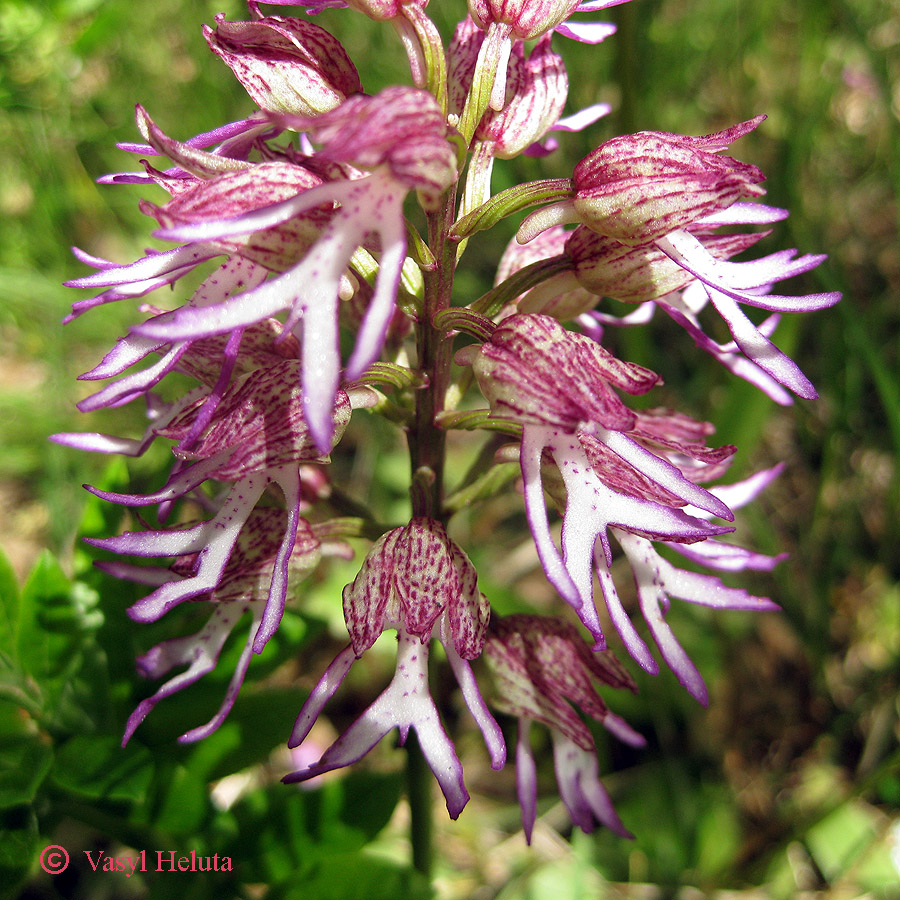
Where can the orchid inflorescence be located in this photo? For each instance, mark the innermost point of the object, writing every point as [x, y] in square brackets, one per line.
[296, 215]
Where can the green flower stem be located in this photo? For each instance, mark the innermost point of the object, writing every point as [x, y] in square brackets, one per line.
[427, 443]
[418, 780]
[427, 449]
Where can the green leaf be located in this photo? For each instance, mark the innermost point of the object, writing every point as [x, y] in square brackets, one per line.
[359, 876]
[369, 800]
[19, 847]
[186, 805]
[98, 767]
[9, 602]
[57, 619]
[839, 840]
[23, 766]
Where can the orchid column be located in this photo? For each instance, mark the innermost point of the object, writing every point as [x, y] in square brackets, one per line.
[302, 216]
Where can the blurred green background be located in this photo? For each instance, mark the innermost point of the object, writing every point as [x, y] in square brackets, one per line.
[788, 786]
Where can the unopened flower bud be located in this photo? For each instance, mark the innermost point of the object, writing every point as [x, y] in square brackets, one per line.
[527, 19]
[641, 187]
[536, 91]
[286, 65]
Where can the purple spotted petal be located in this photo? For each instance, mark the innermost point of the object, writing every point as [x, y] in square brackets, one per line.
[200, 652]
[326, 687]
[405, 703]
[581, 790]
[526, 778]
[490, 730]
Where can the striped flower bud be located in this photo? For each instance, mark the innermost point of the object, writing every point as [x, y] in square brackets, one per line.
[641, 187]
[527, 19]
[286, 65]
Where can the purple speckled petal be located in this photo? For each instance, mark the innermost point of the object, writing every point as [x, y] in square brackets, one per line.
[656, 579]
[178, 485]
[731, 358]
[372, 330]
[199, 651]
[618, 727]
[288, 479]
[126, 352]
[234, 686]
[405, 703]
[580, 789]
[126, 389]
[262, 218]
[425, 578]
[664, 473]
[737, 280]
[490, 730]
[206, 139]
[369, 599]
[326, 687]
[469, 612]
[592, 506]
[176, 542]
[197, 162]
[633, 642]
[221, 534]
[152, 266]
[139, 574]
[688, 252]
[728, 557]
[96, 442]
[760, 349]
[534, 439]
[526, 778]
